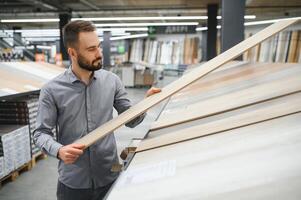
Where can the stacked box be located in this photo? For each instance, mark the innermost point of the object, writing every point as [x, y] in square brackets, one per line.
[22, 143]
[8, 151]
[22, 112]
[15, 147]
[1, 166]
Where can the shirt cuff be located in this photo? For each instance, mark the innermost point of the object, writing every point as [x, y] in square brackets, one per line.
[53, 151]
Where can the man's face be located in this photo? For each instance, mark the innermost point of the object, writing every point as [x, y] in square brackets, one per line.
[89, 54]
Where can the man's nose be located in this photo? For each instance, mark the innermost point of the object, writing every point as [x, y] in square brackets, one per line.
[99, 52]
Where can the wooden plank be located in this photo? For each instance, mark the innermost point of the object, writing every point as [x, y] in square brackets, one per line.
[224, 86]
[21, 77]
[46, 73]
[216, 84]
[261, 161]
[227, 102]
[184, 81]
[231, 76]
[255, 114]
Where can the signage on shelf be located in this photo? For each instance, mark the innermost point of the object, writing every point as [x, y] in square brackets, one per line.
[171, 29]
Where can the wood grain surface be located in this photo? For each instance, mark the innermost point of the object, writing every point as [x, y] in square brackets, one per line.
[255, 114]
[184, 81]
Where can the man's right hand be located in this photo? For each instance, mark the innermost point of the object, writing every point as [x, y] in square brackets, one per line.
[70, 153]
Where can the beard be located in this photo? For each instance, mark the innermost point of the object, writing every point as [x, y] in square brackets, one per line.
[93, 66]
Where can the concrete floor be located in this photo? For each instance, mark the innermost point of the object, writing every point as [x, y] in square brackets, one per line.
[40, 182]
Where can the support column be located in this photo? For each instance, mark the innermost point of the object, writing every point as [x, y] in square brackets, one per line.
[233, 12]
[212, 31]
[106, 49]
[64, 19]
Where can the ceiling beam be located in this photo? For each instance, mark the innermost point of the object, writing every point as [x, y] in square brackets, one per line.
[89, 4]
[40, 4]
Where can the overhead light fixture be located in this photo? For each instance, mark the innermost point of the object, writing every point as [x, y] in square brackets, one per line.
[152, 18]
[115, 34]
[125, 29]
[245, 17]
[250, 17]
[127, 37]
[205, 28]
[130, 36]
[30, 47]
[42, 39]
[44, 47]
[141, 18]
[251, 23]
[148, 24]
[28, 20]
[267, 21]
[117, 19]
[201, 28]
[37, 30]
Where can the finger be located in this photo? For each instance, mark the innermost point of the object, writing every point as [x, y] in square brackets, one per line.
[78, 146]
[75, 151]
[71, 156]
[156, 90]
[72, 160]
[69, 161]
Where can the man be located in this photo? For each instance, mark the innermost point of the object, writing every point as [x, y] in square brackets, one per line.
[78, 101]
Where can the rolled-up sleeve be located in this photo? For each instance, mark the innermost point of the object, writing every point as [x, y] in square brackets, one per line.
[46, 121]
[122, 103]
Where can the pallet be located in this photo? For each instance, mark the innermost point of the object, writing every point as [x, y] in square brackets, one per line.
[15, 174]
[36, 157]
[26, 167]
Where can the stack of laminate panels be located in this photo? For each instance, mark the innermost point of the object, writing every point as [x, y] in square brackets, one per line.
[20, 77]
[22, 111]
[14, 147]
[235, 134]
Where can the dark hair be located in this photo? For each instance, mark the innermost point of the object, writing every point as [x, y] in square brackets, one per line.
[72, 30]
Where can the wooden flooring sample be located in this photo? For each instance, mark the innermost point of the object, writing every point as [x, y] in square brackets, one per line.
[184, 81]
[260, 161]
[257, 113]
[230, 101]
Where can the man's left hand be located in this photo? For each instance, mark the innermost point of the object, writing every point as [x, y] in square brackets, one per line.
[152, 91]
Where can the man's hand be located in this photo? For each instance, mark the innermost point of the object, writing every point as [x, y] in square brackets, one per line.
[70, 153]
[152, 91]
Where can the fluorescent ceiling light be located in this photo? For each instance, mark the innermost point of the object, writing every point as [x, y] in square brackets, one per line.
[148, 24]
[118, 19]
[127, 37]
[130, 36]
[251, 23]
[267, 21]
[205, 28]
[46, 39]
[124, 29]
[142, 18]
[201, 29]
[246, 17]
[28, 20]
[30, 47]
[37, 31]
[250, 17]
[152, 18]
[116, 34]
[44, 47]
[20, 47]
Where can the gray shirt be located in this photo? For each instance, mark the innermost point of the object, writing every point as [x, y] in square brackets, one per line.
[77, 109]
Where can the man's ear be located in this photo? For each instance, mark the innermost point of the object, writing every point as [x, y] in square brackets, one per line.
[72, 52]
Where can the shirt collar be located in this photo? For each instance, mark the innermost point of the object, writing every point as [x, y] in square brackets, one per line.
[73, 78]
